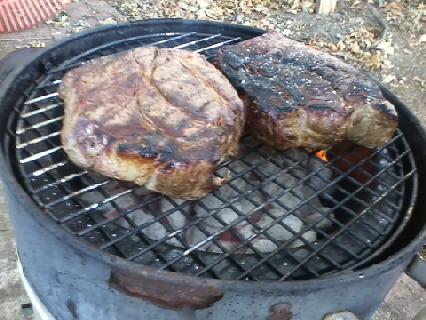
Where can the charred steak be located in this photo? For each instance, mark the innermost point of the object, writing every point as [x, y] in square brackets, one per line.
[297, 96]
[163, 118]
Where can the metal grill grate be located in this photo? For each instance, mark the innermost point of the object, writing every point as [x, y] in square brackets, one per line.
[282, 215]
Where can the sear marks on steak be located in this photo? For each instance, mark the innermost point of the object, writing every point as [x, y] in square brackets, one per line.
[163, 118]
[297, 96]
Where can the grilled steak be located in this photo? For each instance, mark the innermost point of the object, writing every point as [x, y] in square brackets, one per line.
[297, 96]
[163, 118]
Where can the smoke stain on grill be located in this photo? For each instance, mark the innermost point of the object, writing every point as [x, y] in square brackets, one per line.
[280, 311]
[72, 309]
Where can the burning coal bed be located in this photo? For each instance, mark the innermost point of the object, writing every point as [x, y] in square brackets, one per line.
[263, 191]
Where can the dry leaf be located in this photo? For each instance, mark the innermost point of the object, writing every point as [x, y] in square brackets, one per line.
[375, 61]
[355, 48]
[60, 20]
[421, 82]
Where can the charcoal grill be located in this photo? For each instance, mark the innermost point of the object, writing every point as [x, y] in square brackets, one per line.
[357, 212]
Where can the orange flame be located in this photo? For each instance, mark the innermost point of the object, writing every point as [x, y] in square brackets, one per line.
[322, 155]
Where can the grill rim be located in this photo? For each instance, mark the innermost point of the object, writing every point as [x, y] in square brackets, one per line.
[15, 188]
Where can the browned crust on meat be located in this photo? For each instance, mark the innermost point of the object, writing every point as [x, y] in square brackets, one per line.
[320, 130]
[163, 118]
[297, 96]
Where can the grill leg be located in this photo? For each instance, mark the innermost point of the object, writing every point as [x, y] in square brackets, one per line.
[34, 310]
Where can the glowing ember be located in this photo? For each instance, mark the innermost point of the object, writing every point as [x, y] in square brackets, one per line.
[212, 234]
[322, 155]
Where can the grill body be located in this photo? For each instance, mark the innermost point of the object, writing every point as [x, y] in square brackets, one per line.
[73, 284]
[77, 281]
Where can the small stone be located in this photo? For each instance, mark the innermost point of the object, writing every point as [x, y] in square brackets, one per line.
[309, 236]
[37, 44]
[203, 4]
[286, 32]
[319, 220]
[341, 316]
[57, 35]
[388, 78]
[109, 20]
[264, 245]
[201, 14]
[279, 232]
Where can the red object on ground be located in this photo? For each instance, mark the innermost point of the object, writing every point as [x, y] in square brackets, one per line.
[18, 15]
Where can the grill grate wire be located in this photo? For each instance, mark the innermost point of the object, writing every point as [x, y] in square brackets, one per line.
[363, 217]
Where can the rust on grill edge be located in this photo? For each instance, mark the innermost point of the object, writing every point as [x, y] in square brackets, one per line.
[172, 292]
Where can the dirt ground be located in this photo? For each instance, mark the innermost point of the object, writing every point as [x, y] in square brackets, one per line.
[388, 41]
